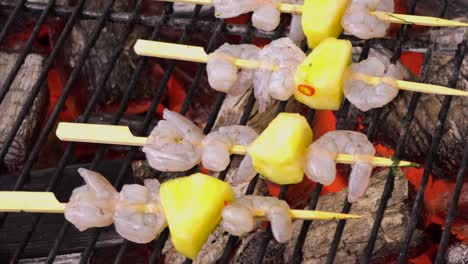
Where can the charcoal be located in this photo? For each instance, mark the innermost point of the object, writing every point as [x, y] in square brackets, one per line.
[457, 254]
[356, 233]
[14, 101]
[102, 52]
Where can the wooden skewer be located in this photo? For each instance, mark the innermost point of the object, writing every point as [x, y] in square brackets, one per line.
[46, 202]
[121, 135]
[197, 54]
[385, 16]
[409, 86]
[418, 20]
[190, 53]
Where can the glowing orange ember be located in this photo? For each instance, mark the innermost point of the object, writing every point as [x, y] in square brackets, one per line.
[306, 90]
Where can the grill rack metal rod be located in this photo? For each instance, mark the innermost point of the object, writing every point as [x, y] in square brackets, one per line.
[372, 130]
[436, 140]
[24, 53]
[452, 213]
[73, 78]
[101, 151]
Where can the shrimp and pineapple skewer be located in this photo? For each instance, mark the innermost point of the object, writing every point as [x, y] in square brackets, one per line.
[191, 206]
[281, 70]
[326, 18]
[283, 153]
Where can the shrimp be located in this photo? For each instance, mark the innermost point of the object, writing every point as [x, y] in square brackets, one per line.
[239, 216]
[366, 96]
[130, 222]
[217, 145]
[233, 8]
[266, 15]
[450, 38]
[223, 75]
[277, 84]
[320, 160]
[174, 144]
[360, 22]
[91, 205]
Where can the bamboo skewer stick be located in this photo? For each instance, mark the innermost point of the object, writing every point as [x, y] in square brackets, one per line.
[384, 16]
[121, 135]
[197, 54]
[409, 86]
[418, 20]
[46, 202]
[190, 53]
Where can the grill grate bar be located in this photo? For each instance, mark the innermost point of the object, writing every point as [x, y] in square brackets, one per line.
[372, 130]
[389, 184]
[54, 115]
[41, 80]
[298, 248]
[24, 53]
[17, 8]
[62, 164]
[114, 57]
[148, 119]
[437, 138]
[453, 210]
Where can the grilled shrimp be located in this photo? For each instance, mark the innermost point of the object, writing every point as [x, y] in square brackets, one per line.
[266, 15]
[277, 84]
[360, 22]
[239, 216]
[174, 144]
[130, 222]
[320, 160]
[223, 75]
[91, 205]
[233, 8]
[216, 146]
[366, 96]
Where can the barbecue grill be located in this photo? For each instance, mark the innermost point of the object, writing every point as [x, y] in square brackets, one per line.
[189, 25]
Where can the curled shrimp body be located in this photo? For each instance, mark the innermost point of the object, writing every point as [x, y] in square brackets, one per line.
[367, 96]
[217, 145]
[266, 15]
[129, 220]
[360, 22]
[91, 205]
[226, 77]
[277, 84]
[321, 166]
[239, 216]
[174, 144]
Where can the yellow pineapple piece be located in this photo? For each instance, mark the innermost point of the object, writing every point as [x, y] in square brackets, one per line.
[321, 19]
[193, 207]
[319, 79]
[278, 153]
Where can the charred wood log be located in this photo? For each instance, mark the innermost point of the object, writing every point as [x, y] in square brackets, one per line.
[14, 101]
[356, 233]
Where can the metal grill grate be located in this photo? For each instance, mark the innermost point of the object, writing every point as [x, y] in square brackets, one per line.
[217, 27]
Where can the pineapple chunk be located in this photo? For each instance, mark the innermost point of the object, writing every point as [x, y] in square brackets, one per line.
[321, 19]
[193, 207]
[319, 79]
[278, 153]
